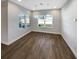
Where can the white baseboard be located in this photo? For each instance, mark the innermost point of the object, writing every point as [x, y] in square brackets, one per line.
[10, 42]
[46, 32]
[3, 42]
[75, 54]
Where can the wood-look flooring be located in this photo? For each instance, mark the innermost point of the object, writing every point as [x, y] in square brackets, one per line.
[38, 46]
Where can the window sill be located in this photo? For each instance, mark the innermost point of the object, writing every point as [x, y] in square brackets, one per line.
[44, 27]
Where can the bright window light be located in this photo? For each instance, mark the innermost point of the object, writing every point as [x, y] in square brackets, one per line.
[19, 0]
[45, 21]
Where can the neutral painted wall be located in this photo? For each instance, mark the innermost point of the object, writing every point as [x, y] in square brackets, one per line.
[69, 26]
[14, 32]
[4, 22]
[10, 30]
[56, 27]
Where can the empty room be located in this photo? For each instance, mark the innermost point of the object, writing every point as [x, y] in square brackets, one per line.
[38, 29]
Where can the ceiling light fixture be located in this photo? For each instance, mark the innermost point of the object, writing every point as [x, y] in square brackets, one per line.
[19, 0]
[55, 7]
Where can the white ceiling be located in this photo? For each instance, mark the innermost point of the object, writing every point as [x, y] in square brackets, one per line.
[41, 4]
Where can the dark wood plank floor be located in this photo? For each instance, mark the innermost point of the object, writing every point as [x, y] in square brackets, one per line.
[38, 46]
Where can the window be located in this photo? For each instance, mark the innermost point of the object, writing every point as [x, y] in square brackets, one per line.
[45, 21]
[27, 21]
[24, 21]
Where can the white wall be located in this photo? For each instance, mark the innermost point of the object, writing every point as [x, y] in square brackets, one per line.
[69, 26]
[4, 23]
[56, 28]
[10, 23]
[14, 32]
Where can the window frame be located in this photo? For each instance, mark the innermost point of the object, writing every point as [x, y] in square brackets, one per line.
[23, 21]
[45, 25]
